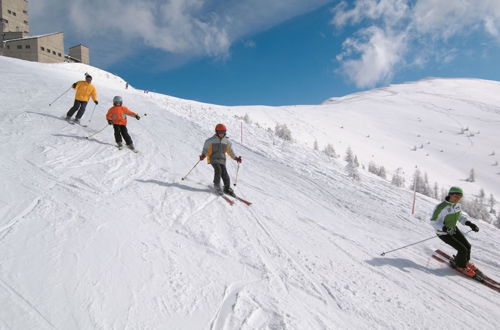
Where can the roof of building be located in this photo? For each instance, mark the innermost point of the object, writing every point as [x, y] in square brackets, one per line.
[78, 46]
[33, 37]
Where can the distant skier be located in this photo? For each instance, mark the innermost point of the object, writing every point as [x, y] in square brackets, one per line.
[444, 220]
[117, 116]
[84, 90]
[215, 149]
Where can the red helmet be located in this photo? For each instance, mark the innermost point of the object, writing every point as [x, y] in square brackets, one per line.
[220, 127]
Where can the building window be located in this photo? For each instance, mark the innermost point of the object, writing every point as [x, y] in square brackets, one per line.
[25, 11]
[19, 46]
[9, 11]
[27, 46]
[54, 52]
[42, 48]
[59, 54]
[48, 50]
[13, 13]
[8, 47]
[26, 22]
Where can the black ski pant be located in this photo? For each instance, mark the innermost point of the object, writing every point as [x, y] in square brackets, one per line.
[221, 171]
[77, 106]
[460, 243]
[121, 130]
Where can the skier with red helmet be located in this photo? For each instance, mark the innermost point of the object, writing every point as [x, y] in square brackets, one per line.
[215, 149]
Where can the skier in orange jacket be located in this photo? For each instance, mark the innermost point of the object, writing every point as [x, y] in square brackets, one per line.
[117, 116]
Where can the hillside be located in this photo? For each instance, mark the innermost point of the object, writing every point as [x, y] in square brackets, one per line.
[96, 238]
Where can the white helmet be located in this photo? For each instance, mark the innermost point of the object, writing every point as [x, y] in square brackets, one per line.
[117, 100]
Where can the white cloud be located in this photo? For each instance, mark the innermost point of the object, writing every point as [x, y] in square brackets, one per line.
[180, 27]
[388, 29]
[380, 53]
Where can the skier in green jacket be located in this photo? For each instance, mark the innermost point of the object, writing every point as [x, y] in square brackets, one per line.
[444, 220]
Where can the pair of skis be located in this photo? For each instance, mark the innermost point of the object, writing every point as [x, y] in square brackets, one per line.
[229, 200]
[122, 147]
[445, 258]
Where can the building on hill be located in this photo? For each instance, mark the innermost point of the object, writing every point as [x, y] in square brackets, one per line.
[15, 40]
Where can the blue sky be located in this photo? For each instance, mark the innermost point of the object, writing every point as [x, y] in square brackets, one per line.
[291, 52]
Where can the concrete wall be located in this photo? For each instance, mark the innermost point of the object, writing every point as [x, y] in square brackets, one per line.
[14, 16]
[25, 49]
[81, 53]
[46, 49]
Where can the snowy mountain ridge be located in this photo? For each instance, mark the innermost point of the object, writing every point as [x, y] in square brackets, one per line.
[96, 238]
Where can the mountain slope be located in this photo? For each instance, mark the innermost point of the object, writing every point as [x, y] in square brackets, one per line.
[93, 237]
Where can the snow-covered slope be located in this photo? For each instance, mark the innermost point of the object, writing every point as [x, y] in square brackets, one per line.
[96, 238]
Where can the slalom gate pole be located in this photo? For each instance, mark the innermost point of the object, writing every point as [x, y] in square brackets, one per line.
[99, 131]
[57, 98]
[237, 171]
[92, 115]
[185, 176]
[384, 253]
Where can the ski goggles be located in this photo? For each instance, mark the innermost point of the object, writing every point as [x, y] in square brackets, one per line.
[221, 132]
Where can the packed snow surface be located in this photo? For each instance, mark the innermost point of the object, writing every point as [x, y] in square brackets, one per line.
[92, 237]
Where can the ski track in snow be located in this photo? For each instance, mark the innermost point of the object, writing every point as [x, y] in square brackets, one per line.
[97, 238]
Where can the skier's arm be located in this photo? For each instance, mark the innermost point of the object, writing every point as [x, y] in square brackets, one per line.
[437, 221]
[94, 94]
[229, 150]
[207, 146]
[129, 112]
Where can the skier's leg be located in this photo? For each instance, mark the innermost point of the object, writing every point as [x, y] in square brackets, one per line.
[461, 238]
[118, 136]
[81, 111]
[126, 136]
[217, 174]
[225, 177]
[462, 250]
[73, 109]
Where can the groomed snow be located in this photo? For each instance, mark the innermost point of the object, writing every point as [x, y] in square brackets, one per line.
[96, 238]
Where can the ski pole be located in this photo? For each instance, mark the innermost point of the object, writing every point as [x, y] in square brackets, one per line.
[99, 131]
[95, 106]
[384, 253]
[59, 96]
[237, 170]
[185, 176]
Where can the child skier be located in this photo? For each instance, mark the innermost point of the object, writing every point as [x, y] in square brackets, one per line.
[117, 116]
[444, 220]
[215, 149]
[83, 91]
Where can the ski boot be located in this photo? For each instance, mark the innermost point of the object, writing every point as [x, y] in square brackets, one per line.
[76, 121]
[119, 145]
[218, 189]
[229, 191]
[131, 146]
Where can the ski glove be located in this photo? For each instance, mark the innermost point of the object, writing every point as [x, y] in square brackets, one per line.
[74, 85]
[137, 117]
[202, 157]
[472, 226]
[450, 231]
[110, 122]
[96, 102]
[238, 159]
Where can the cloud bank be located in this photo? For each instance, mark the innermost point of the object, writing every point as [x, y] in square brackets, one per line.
[395, 33]
[181, 27]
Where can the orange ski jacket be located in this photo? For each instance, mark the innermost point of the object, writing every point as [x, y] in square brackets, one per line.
[118, 115]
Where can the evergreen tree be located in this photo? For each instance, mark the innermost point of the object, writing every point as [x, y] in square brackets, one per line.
[381, 172]
[491, 202]
[482, 196]
[398, 178]
[472, 176]
[436, 190]
[356, 162]
[330, 151]
[349, 157]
